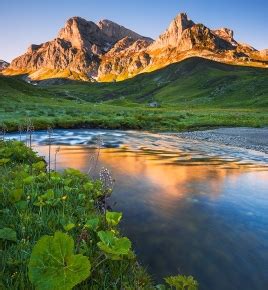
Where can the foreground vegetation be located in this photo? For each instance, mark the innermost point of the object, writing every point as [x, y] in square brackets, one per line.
[193, 94]
[56, 231]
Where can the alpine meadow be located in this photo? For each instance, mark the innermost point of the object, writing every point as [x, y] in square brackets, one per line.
[130, 160]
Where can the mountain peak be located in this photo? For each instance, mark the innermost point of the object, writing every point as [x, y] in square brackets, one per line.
[81, 33]
[3, 64]
[172, 36]
[225, 33]
[76, 19]
[182, 17]
[116, 32]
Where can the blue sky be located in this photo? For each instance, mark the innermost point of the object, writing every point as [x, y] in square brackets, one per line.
[23, 22]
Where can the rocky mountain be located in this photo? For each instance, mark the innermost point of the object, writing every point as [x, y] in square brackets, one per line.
[173, 35]
[3, 64]
[264, 53]
[75, 53]
[106, 51]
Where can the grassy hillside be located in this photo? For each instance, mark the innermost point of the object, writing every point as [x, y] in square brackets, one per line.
[195, 93]
[195, 82]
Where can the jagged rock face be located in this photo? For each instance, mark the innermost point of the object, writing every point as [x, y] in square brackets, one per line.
[124, 59]
[117, 32]
[58, 54]
[83, 34]
[201, 37]
[3, 64]
[184, 34]
[107, 51]
[264, 52]
[226, 34]
[172, 36]
[79, 47]
[121, 45]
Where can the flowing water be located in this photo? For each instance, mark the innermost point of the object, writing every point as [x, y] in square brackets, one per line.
[189, 207]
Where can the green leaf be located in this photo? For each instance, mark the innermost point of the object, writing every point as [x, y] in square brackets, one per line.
[160, 287]
[88, 186]
[8, 234]
[48, 195]
[46, 199]
[73, 172]
[113, 218]
[39, 166]
[54, 266]
[15, 195]
[4, 161]
[22, 204]
[93, 224]
[28, 180]
[115, 248]
[181, 282]
[69, 227]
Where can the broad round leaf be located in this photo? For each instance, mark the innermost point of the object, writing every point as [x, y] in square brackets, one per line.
[93, 224]
[8, 234]
[113, 218]
[114, 247]
[54, 266]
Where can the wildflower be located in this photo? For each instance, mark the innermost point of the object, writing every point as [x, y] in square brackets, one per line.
[64, 197]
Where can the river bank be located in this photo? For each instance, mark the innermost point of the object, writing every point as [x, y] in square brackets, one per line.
[248, 138]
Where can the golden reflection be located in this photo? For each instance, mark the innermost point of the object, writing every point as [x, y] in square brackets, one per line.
[173, 176]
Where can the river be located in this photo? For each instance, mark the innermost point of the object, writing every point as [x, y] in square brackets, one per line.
[188, 206]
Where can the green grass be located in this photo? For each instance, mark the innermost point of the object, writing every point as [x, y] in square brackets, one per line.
[37, 207]
[195, 82]
[193, 94]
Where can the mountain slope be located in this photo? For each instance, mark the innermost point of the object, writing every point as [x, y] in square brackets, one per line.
[106, 51]
[194, 82]
[193, 94]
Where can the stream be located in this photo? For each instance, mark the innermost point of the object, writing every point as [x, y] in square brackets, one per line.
[189, 207]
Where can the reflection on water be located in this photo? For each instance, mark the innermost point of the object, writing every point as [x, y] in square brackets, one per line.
[189, 207]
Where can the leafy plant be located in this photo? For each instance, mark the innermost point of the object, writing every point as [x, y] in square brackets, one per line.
[53, 265]
[8, 234]
[69, 227]
[39, 166]
[181, 282]
[28, 180]
[115, 248]
[15, 195]
[93, 223]
[113, 218]
[4, 161]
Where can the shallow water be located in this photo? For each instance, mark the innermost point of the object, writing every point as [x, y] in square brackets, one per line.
[189, 207]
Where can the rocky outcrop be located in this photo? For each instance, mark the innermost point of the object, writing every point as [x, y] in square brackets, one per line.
[126, 58]
[84, 35]
[226, 34]
[3, 64]
[117, 32]
[106, 51]
[264, 52]
[172, 36]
